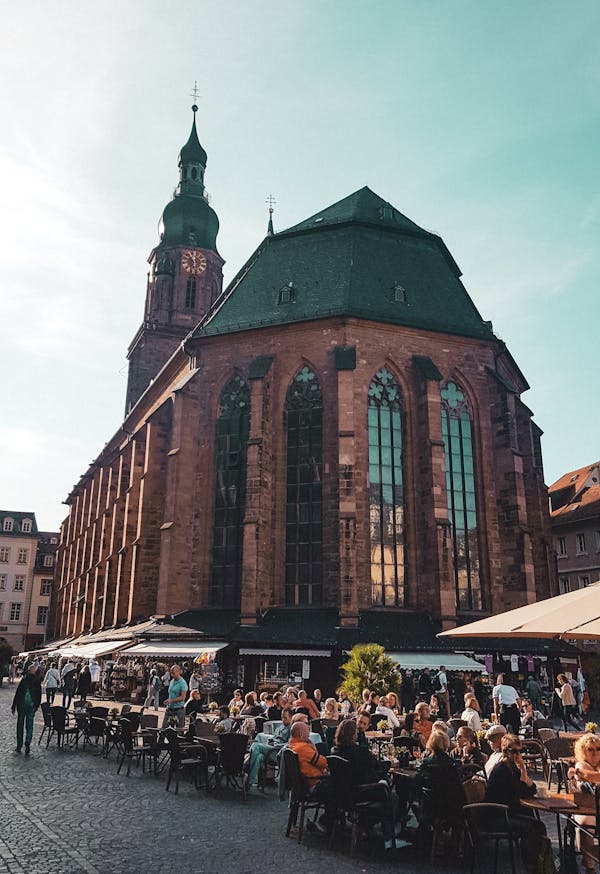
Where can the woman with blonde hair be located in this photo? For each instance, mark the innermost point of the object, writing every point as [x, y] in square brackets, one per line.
[471, 713]
[587, 770]
[330, 710]
[393, 703]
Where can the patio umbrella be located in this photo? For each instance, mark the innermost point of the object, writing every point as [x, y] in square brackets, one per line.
[575, 615]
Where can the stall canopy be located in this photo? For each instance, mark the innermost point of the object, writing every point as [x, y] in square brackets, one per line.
[276, 653]
[165, 648]
[92, 650]
[453, 661]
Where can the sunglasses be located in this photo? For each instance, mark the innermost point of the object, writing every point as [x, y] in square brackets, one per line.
[513, 749]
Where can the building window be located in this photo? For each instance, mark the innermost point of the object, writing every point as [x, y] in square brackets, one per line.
[42, 615]
[561, 547]
[231, 442]
[386, 491]
[287, 294]
[3, 578]
[564, 585]
[460, 492]
[19, 583]
[48, 561]
[398, 293]
[1, 611]
[8, 525]
[190, 294]
[15, 612]
[303, 421]
[22, 556]
[584, 582]
[46, 587]
[4, 554]
[580, 544]
[26, 526]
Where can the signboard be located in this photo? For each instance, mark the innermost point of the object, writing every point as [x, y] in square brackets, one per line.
[305, 669]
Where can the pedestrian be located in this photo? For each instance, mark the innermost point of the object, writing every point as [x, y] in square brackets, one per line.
[506, 705]
[12, 672]
[51, 682]
[67, 675]
[534, 692]
[28, 697]
[154, 687]
[408, 691]
[441, 691]
[567, 698]
[175, 703]
[94, 673]
[424, 686]
[84, 683]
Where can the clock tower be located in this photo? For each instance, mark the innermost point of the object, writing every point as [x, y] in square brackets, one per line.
[186, 272]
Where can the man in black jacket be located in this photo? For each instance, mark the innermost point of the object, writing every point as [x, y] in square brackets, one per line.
[26, 701]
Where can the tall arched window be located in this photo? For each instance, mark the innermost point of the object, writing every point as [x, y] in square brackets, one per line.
[190, 294]
[231, 441]
[304, 495]
[457, 434]
[386, 491]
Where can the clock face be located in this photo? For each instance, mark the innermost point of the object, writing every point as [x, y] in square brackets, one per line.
[193, 262]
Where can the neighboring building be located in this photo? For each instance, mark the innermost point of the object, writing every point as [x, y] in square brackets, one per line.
[41, 592]
[336, 441]
[18, 543]
[575, 515]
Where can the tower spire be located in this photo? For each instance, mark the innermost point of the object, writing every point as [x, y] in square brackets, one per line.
[270, 200]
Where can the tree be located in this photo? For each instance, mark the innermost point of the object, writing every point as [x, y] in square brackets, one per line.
[368, 667]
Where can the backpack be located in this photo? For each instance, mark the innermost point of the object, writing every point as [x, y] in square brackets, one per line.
[156, 683]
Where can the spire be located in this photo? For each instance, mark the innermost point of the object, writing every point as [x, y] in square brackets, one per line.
[192, 152]
[270, 200]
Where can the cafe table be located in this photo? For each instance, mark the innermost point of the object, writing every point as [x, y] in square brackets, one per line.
[561, 804]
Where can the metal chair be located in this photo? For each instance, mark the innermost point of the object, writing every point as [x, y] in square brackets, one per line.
[545, 734]
[61, 727]
[300, 796]
[365, 805]
[557, 748]
[181, 763]
[485, 823]
[232, 752]
[45, 708]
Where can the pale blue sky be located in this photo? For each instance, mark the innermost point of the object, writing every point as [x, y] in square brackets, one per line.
[479, 120]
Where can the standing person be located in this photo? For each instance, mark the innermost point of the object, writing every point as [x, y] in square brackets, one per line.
[424, 685]
[67, 676]
[28, 697]
[408, 691]
[154, 687]
[84, 683]
[567, 698]
[12, 672]
[94, 673]
[443, 696]
[506, 705]
[51, 682]
[533, 691]
[175, 703]
[193, 705]
[581, 690]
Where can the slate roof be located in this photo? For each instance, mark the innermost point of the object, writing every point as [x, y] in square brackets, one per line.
[351, 259]
[18, 517]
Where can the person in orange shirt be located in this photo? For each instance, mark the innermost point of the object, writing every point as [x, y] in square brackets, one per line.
[304, 704]
[312, 764]
[422, 723]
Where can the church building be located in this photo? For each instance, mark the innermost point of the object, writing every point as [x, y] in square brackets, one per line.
[332, 449]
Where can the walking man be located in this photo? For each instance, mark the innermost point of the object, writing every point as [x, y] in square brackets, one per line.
[506, 705]
[27, 699]
[175, 703]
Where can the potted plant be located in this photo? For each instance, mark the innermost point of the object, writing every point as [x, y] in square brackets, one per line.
[382, 725]
[591, 727]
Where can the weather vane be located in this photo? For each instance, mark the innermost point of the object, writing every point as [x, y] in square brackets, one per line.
[195, 94]
[270, 200]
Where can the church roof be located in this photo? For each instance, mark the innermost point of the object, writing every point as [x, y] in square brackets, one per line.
[192, 152]
[359, 257]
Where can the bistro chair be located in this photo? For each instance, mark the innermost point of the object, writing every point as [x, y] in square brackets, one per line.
[232, 753]
[45, 708]
[300, 797]
[557, 748]
[545, 734]
[534, 754]
[456, 723]
[204, 728]
[126, 708]
[407, 743]
[181, 762]
[542, 723]
[474, 789]
[148, 720]
[61, 727]
[364, 805]
[317, 726]
[486, 823]
[132, 749]
[97, 724]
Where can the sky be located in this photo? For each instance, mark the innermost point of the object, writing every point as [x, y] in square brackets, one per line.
[479, 120]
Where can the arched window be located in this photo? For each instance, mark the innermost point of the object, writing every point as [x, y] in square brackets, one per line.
[190, 294]
[386, 491]
[304, 496]
[231, 441]
[457, 434]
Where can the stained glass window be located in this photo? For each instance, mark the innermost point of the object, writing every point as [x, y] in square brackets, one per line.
[304, 495]
[386, 491]
[231, 440]
[457, 434]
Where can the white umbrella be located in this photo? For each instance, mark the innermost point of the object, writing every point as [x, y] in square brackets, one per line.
[575, 615]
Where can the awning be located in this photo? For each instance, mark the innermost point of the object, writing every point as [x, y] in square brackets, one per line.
[453, 661]
[303, 653]
[91, 650]
[189, 648]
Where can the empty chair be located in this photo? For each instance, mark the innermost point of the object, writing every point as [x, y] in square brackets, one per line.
[45, 708]
[233, 747]
[489, 823]
[126, 708]
[148, 720]
[183, 762]
[61, 727]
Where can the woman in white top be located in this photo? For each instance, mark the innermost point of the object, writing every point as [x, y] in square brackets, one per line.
[587, 770]
[569, 705]
[51, 682]
[386, 711]
[471, 714]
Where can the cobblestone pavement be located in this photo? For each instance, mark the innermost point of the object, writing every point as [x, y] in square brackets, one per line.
[69, 811]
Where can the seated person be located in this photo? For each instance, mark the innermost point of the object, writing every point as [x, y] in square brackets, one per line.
[330, 710]
[224, 722]
[193, 705]
[386, 711]
[422, 723]
[587, 770]
[269, 746]
[393, 703]
[494, 736]
[509, 782]
[251, 708]
[438, 778]
[312, 765]
[434, 706]
[363, 721]
[306, 705]
[440, 725]
[470, 714]
[467, 751]
[371, 706]
[346, 705]
[529, 715]
[275, 705]
[237, 701]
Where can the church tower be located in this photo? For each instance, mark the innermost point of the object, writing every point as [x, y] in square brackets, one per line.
[186, 272]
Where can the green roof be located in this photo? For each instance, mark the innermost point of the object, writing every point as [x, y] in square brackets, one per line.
[359, 258]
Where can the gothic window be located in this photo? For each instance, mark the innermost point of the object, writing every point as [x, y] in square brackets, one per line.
[190, 294]
[231, 440]
[457, 434]
[386, 491]
[304, 496]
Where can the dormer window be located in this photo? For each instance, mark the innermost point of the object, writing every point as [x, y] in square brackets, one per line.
[26, 526]
[398, 293]
[8, 525]
[287, 294]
